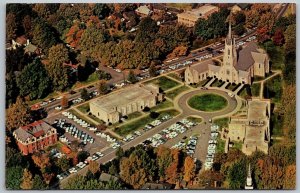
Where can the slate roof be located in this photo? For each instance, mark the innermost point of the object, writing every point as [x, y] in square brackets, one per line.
[245, 56]
[201, 66]
[35, 129]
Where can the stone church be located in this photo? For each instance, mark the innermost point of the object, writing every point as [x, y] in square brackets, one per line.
[237, 66]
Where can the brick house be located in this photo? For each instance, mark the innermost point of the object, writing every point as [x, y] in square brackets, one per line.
[35, 136]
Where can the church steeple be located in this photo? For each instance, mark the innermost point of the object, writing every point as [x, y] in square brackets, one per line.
[249, 184]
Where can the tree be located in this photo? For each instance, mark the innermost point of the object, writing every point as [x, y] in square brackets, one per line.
[239, 29]
[27, 25]
[278, 38]
[101, 10]
[14, 158]
[11, 27]
[26, 180]
[189, 169]
[41, 160]
[34, 80]
[147, 30]
[172, 171]
[74, 35]
[131, 77]
[12, 90]
[82, 155]
[262, 34]
[94, 167]
[132, 172]
[237, 175]
[164, 159]
[113, 170]
[18, 115]
[153, 114]
[63, 163]
[58, 54]
[290, 40]
[43, 36]
[38, 183]
[84, 94]
[290, 177]
[64, 102]
[13, 177]
[152, 70]
[120, 152]
[102, 87]
[267, 21]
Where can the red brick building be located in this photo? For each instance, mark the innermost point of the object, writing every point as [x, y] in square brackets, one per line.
[35, 136]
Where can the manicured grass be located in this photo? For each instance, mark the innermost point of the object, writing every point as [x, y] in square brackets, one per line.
[84, 108]
[237, 145]
[273, 89]
[133, 126]
[208, 102]
[92, 78]
[175, 76]
[194, 119]
[134, 115]
[217, 83]
[171, 112]
[96, 119]
[163, 82]
[255, 89]
[220, 145]
[58, 145]
[222, 122]
[201, 83]
[172, 94]
[162, 105]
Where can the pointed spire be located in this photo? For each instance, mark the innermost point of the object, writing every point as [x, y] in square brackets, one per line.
[229, 30]
[249, 171]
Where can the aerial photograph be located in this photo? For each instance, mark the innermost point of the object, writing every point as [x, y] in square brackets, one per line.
[150, 96]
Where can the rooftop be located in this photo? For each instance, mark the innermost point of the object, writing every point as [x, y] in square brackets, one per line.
[199, 12]
[124, 96]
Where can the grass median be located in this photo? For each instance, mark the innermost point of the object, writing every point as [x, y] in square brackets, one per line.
[208, 102]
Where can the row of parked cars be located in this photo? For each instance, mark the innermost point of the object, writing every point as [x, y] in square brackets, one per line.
[79, 121]
[74, 131]
[189, 146]
[200, 58]
[179, 65]
[251, 38]
[211, 149]
[80, 165]
[171, 132]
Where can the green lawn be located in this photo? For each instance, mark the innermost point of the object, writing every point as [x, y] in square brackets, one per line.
[172, 94]
[51, 95]
[133, 126]
[194, 119]
[208, 102]
[237, 145]
[141, 122]
[134, 115]
[273, 89]
[231, 86]
[92, 78]
[163, 82]
[217, 83]
[85, 108]
[175, 76]
[162, 105]
[96, 119]
[255, 89]
[220, 145]
[222, 122]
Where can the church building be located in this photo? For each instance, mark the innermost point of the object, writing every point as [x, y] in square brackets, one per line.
[237, 66]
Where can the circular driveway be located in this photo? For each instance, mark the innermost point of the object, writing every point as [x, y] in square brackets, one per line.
[187, 110]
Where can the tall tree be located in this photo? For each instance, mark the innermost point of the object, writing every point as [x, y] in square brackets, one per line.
[173, 169]
[34, 80]
[38, 183]
[26, 180]
[101, 10]
[18, 115]
[290, 177]
[94, 167]
[64, 102]
[152, 70]
[63, 163]
[84, 94]
[12, 90]
[41, 160]
[189, 169]
[58, 54]
[131, 77]
[11, 27]
[13, 177]
[278, 37]
[102, 87]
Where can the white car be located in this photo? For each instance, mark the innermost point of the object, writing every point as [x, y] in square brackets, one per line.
[58, 108]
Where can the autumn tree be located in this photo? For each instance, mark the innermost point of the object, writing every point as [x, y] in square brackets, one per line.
[290, 177]
[94, 167]
[164, 160]
[11, 27]
[208, 177]
[43, 35]
[278, 38]
[26, 180]
[58, 54]
[74, 35]
[152, 70]
[253, 15]
[34, 80]
[18, 115]
[102, 87]
[27, 25]
[290, 39]
[173, 169]
[63, 163]
[84, 94]
[132, 172]
[64, 102]
[41, 160]
[189, 169]
[131, 77]
[38, 183]
[266, 20]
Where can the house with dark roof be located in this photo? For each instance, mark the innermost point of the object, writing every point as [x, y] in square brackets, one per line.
[20, 41]
[143, 11]
[156, 186]
[237, 66]
[35, 136]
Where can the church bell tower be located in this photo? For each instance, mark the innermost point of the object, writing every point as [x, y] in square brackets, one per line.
[249, 183]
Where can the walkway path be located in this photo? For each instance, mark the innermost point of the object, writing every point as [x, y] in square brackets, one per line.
[262, 82]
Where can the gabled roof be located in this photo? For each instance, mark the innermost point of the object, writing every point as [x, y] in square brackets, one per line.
[245, 56]
[143, 10]
[201, 66]
[105, 177]
[30, 48]
[21, 40]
